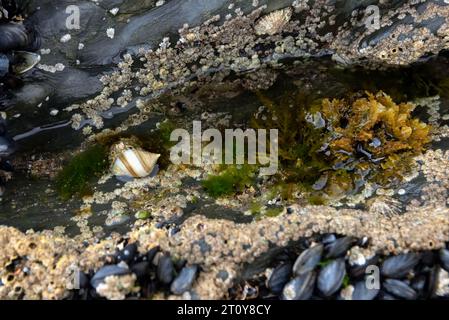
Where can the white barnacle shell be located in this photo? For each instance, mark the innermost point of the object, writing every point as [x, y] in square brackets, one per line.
[384, 205]
[132, 162]
[273, 22]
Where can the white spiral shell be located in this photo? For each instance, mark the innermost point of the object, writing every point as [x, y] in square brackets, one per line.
[134, 163]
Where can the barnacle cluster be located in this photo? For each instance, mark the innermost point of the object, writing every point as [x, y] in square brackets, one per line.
[333, 147]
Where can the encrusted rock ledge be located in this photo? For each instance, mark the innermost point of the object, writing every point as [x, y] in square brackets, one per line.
[41, 265]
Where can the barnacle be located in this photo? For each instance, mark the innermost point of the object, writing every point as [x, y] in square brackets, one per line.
[384, 205]
[273, 22]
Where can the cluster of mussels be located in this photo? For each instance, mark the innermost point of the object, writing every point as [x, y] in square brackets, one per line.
[332, 148]
[18, 40]
[321, 267]
[333, 268]
[129, 274]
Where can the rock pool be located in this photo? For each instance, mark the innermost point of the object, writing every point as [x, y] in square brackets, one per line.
[94, 205]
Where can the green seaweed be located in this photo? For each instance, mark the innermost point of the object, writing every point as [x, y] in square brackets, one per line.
[231, 179]
[255, 208]
[75, 177]
[330, 148]
[273, 212]
[346, 281]
[143, 215]
[165, 129]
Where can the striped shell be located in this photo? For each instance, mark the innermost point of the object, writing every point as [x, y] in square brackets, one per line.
[134, 163]
[273, 22]
[24, 61]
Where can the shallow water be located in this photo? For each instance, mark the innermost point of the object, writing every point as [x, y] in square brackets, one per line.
[31, 203]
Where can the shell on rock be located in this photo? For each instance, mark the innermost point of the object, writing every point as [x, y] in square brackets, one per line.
[362, 292]
[15, 36]
[300, 288]
[384, 205]
[308, 260]
[273, 22]
[399, 266]
[23, 61]
[280, 276]
[400, 289]
[4, 65]
[132, 162]
[331, 277]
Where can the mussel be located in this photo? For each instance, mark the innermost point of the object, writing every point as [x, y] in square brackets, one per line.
[7, 146]
[23, 61]
[8, 9]
[4, 65]
[15, 36]
[18, 62]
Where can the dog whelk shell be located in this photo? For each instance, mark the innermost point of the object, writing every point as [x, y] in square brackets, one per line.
[132, 162]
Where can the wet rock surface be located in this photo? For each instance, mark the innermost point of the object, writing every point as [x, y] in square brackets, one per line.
[144, 277]
[74, 73]
[184, 247]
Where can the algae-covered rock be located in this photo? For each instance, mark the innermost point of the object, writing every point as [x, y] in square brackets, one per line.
[333, 147]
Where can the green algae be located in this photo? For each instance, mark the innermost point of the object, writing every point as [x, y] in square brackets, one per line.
[230, 180]
[255, 208]
[273, 212]
[76, 176]
[143, 215]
